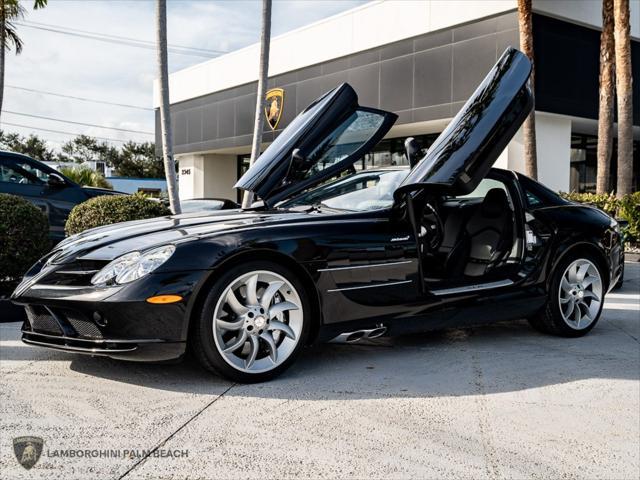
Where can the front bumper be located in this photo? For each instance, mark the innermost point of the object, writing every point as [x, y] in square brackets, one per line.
[141, 350]
[115, 322]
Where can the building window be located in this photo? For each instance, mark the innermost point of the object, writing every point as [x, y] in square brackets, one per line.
[584, 164]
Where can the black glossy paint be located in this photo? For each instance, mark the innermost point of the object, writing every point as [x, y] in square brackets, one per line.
[361, 269]
[323, 247]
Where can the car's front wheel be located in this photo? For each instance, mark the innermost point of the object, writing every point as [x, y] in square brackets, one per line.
[253, 323]
[576, 296]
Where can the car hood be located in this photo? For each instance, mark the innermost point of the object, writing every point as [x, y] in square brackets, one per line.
[112, 241]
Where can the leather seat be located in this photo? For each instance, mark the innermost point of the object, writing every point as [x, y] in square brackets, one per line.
[490, 233]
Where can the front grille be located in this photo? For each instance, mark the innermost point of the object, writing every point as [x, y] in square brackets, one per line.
[77, 273]
[41, 320]
[61, 321]
[82, 325]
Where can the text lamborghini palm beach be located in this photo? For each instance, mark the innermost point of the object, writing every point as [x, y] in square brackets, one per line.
[330, 251]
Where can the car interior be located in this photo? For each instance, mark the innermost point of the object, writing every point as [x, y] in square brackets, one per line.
[469, 239]
[465, 239]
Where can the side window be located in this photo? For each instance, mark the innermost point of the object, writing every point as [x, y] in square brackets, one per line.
[483, 187]
[21, 172]
[532, 200]
[343, 141]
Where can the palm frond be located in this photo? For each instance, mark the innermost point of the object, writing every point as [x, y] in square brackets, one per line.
[11, 38]
[39, 4]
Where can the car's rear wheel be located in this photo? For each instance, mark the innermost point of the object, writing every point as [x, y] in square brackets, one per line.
[576, 296]
[253, 323]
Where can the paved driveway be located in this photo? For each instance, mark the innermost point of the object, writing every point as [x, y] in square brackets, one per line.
[498, 402]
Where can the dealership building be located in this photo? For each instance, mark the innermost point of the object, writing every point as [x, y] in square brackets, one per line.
[420, 59]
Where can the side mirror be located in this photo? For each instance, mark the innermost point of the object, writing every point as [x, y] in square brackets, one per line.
[56, 181]
[296, 158]
[412, 149]
[296, 163]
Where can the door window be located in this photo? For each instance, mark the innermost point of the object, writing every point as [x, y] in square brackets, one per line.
[21, 172]
[342, 142]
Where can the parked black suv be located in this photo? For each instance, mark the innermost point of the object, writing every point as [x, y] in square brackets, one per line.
[46, 188]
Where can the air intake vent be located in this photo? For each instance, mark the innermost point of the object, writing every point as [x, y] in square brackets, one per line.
[41, 320]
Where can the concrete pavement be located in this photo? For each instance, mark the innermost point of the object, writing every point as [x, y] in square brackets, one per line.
[501, 401]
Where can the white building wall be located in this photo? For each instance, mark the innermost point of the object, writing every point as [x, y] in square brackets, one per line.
[207, 176]
[220, 175]
[553, 143]
[190, 176]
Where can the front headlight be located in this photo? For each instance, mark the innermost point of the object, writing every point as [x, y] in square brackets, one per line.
[132, 266]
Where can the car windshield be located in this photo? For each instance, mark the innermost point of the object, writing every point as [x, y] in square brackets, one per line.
[361, 191]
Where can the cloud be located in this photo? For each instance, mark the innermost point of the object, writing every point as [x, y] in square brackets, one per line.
[118, 73]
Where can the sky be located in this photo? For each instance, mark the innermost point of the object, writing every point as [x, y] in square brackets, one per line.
[82, 67]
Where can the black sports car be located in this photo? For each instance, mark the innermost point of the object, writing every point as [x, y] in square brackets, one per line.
[330, 252]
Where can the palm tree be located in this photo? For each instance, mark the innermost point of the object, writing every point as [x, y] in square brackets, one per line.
[607, 97]
[86, 176]
[525, 16]
[11, 10]
[263, 75]
[625, 96]
[165, 114]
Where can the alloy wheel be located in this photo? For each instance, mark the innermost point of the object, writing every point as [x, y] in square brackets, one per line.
[258, 321]
[580, 294]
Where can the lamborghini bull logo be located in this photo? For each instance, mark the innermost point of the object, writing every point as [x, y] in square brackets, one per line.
[27, 450]
[274, 102]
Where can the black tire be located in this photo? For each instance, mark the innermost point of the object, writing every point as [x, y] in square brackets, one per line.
[550, 320]
[620, 281]
[201, 337]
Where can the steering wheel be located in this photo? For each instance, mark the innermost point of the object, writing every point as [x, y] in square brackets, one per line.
[432, 232]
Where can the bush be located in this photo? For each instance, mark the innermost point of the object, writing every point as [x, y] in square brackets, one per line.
[24, 238]
[86, 177]
[607, 202]
[108, 209]
[630, 211]
[626, 208]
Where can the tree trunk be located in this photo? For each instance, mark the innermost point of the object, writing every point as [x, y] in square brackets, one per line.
[165, 114]
[625, 96]
[263, 75]
[607, 97]
[525, 16]
[2, 52]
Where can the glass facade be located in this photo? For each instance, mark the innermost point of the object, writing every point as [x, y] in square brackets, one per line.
[584, 164]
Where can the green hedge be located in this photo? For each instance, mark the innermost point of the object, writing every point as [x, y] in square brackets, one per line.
[630, 211]
[626, 208]
[108, 209]
[24, 238]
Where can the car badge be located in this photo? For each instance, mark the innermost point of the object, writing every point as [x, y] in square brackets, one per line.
[27, 450]
[274, 103]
